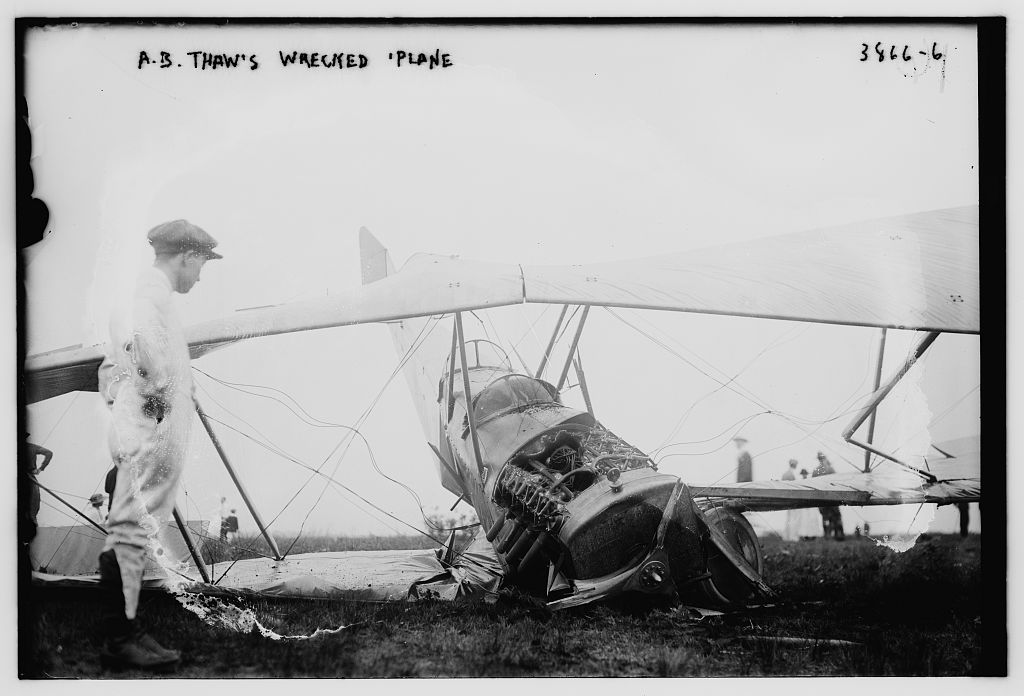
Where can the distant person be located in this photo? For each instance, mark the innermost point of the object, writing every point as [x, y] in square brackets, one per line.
[806, 524]
[824, 467]
[217, 522]
[96, 500]
[965, 517]
[790, 532]
[745, 465]
[30, 469]
[790, 473]
[146, 381]
[831, 518]
[231, 523]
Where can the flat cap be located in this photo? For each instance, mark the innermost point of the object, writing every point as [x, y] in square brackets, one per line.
[182, 235]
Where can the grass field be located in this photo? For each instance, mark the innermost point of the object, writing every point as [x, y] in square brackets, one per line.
[916, 613]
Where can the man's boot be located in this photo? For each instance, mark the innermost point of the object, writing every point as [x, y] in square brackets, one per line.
[125, 644]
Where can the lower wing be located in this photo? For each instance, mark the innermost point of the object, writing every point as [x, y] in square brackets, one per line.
[957, 480]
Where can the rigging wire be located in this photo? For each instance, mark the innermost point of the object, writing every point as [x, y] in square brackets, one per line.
[906, 397]
[937, 418]
[502, 341]
[273, 447]
[71, 530]
[739, 389]
[778, 341]
[337, 484]
[956, 403]
[531, 329]
[68, 408]
[793, 420]
[416, 344]
[760, 403]
[565, 327]
[733, 429]
[331, 480]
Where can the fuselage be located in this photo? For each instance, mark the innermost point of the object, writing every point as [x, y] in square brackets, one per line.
[574, 512]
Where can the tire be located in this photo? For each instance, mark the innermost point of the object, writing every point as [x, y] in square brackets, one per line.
[727, 586]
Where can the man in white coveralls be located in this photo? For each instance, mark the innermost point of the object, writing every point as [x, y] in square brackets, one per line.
[146, 381]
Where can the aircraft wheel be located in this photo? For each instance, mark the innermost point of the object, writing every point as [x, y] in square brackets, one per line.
[727, 586]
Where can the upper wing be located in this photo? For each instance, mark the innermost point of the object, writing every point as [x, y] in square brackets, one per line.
[958, 481]
[913, 271]
[75, 369]
[910, 272]
[426, 286]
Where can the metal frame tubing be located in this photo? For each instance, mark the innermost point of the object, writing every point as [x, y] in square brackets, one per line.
[191, 546]
[878, 383]
[876, 399]
[572, 348]
[578, 364]
[551, 343]
[451, 371]
[238, 482]
[469, 395]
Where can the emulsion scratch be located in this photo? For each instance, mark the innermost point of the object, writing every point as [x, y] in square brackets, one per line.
[218, 613]
[904, 541]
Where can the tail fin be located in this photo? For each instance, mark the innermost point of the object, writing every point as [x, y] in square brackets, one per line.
[423, 344]
[375, 261]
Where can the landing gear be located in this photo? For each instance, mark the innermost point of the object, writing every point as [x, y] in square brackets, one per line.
[727, 585]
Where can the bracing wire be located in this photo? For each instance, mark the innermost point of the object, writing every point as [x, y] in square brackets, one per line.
[733, 378]
[416, 344]
[731, 430]
[65, 412]
[531, 329]
[272, 448]
[413, 347]
[724, 382]
[330, 481]
[795, 421]
[937, 418]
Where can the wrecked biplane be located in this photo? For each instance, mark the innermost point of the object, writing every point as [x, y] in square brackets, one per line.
[568, 510]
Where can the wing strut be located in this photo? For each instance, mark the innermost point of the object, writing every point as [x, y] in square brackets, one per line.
[874, 412]
[469, 395]
[238, 482]
[551, 343]
[572, 348]
[578, 364]
[71, 507]
[451, 371]
[191, 546]
[876, 399]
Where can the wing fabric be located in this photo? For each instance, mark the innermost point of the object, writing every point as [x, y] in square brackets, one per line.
[959, 481]
[378, 576]
[427, 285]
[61, 371]
[75, 369]
[913, 271]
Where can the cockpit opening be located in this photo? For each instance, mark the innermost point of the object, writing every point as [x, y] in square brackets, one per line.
[511, 393]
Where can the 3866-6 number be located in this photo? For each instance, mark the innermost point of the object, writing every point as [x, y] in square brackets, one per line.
[893, 52]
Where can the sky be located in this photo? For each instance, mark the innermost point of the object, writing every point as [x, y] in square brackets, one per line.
[541, 144]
